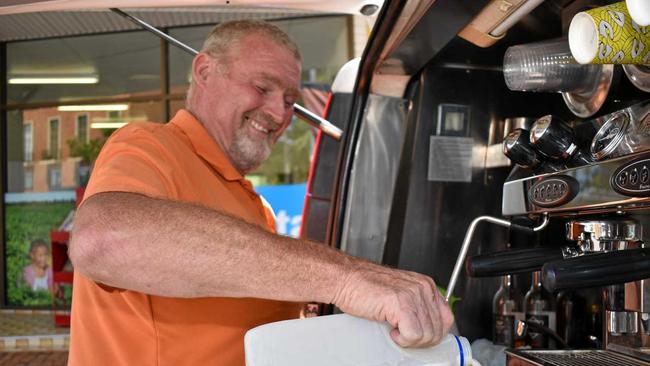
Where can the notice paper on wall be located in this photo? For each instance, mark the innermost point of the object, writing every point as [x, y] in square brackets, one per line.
[450, 159]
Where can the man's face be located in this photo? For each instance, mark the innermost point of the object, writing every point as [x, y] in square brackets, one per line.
[249, 102]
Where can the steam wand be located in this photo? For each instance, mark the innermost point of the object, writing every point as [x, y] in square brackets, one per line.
[468, 238]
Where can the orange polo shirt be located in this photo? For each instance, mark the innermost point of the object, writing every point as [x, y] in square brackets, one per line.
[110, 326]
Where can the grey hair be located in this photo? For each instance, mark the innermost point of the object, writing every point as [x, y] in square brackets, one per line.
[226, 36]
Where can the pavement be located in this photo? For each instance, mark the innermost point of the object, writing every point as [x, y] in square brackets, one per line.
[30, 338]
[34, 358]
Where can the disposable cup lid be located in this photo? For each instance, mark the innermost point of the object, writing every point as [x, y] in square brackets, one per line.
[639, 11]
[583, 38]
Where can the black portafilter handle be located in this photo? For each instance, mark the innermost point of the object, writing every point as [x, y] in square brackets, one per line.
[596, 270]
[510, 261]
[516, 146]
[553, 137]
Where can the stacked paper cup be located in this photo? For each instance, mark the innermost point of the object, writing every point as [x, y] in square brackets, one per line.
[609, 35]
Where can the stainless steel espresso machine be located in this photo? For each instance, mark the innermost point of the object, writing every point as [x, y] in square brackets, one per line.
[594, 179]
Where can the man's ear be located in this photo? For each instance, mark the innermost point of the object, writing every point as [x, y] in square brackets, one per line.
[201, 66]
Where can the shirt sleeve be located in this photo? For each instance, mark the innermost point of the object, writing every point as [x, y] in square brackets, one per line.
[132, 160]
[269, 215]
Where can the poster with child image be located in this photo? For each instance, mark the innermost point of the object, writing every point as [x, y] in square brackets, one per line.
[28, 253]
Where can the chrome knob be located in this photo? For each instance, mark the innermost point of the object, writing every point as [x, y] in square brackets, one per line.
[553, 137]
[516, 146]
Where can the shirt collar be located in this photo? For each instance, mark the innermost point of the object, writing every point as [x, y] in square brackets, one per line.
[204, 145]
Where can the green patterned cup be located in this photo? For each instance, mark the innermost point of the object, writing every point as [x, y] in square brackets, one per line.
[608, 35]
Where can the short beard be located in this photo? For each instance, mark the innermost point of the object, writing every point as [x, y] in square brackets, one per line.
[247, 155]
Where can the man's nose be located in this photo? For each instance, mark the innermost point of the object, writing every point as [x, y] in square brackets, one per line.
[276, 107]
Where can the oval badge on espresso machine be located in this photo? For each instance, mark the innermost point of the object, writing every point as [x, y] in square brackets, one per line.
[633, 178]
[553, 191]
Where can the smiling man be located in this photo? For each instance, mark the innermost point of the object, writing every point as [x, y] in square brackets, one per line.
[175, 255]
[246, 102]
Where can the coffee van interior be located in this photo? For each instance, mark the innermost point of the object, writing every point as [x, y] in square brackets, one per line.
[427, 121]
[421, 152]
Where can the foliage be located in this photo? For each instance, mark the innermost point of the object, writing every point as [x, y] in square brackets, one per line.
[63, 299]
[87, 151]
[24, 223]
[452, 301]
[47, 154]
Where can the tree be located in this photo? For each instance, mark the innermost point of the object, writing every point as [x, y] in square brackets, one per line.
[88, 152]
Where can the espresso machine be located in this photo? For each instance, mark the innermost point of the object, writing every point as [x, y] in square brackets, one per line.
[593, 179]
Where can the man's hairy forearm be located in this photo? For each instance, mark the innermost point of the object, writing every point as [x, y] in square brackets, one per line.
[177, 249]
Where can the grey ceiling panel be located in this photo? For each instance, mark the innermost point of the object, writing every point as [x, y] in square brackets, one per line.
[27, 26]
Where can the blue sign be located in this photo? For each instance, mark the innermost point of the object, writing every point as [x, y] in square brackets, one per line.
[287, 202]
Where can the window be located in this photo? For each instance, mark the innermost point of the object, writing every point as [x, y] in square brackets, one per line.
[54, 177]
[53, 140]
[50, 149]
[40, 190]
[113, 115]
[28, 178]
[28, 141]
[82, 128]
[122, 63]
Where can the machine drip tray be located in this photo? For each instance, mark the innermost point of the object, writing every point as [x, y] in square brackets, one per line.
[570, 358]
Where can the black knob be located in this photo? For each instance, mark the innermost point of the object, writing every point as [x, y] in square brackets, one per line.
[516, 146]
[580, 158]
[553, 137]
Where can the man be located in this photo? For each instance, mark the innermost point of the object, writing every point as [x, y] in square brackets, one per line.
[174, 253]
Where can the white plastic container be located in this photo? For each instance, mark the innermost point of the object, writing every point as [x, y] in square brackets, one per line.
[344, 340]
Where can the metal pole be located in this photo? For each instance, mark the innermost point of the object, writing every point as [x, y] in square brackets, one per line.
[301, 112]
[317, 121]
[157, 32]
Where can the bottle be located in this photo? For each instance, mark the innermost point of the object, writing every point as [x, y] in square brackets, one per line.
[344, 339]
[593, 333]
[506, 312]
[540, 309]
[570, 317]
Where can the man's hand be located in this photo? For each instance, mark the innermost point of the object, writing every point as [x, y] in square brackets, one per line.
[409, 301]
